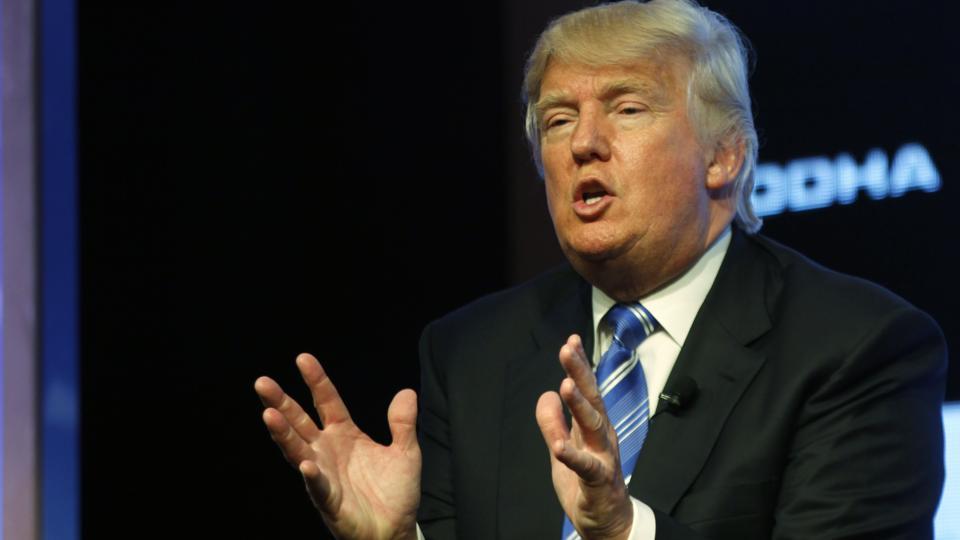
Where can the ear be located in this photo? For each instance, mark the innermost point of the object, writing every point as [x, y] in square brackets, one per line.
[726, 163]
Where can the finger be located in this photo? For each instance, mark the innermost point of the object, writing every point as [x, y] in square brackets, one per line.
[575, 363]
[319, 488]
[553, 426]
[271, 395]
[325, 397]
[402, 417]
[592, 423]
[587, 466]
[293, 447]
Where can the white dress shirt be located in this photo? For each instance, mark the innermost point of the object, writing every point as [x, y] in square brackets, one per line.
[674, 307]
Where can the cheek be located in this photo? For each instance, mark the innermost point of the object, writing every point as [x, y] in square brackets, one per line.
[668, 181]
[552, 192]
[553, 182]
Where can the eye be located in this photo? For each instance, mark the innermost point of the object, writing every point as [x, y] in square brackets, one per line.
[631, 109]
[556, 121]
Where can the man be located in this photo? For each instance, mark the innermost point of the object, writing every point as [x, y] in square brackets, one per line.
[773, 398]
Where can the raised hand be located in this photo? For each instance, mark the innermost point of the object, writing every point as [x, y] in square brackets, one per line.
[585, 460]
[362, 489]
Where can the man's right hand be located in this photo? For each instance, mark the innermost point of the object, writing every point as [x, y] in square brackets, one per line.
[362, 489]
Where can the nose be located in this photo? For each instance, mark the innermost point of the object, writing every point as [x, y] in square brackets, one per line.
[590, 140]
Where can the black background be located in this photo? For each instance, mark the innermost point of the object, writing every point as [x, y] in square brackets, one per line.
[261, 179]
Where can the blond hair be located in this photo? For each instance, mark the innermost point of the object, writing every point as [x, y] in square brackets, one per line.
[718, 97]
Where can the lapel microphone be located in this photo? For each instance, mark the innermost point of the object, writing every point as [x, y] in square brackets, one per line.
[679, 395]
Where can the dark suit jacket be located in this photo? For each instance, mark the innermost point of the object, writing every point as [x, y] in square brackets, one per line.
[818, 416]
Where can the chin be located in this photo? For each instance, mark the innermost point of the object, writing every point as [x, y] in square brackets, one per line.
[595, 248]
[592, 253]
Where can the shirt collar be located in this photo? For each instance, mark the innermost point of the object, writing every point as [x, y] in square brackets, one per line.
[676, 305]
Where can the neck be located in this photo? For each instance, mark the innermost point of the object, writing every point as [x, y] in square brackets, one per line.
[627, 279]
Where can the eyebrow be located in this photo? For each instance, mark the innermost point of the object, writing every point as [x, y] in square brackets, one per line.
[619, 87]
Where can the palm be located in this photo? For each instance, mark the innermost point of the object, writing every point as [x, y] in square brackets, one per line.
[362, 489]
[371, 483]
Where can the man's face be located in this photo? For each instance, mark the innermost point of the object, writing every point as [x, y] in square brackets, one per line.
[626, 176]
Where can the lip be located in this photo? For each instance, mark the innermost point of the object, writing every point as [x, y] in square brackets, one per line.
[590, 212]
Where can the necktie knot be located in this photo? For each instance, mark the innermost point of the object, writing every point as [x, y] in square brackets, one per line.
[631, 324]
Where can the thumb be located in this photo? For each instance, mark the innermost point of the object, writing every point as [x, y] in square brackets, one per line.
[402, 417]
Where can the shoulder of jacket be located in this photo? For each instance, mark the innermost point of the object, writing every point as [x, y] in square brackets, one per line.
[528, 298]
[836, 297]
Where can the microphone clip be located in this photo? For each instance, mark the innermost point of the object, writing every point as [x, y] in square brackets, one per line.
[679, 396]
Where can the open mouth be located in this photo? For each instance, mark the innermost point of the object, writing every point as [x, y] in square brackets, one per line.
[593, 197]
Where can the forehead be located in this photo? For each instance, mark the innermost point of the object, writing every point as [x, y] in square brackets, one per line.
[570, 81]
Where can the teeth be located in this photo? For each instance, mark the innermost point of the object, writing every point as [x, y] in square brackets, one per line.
[593, 199]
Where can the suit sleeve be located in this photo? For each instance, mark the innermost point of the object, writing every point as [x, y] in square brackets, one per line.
[437, 513]
[866, 459]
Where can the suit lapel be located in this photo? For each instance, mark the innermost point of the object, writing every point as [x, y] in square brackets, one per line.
[716, 355]
[528, 503]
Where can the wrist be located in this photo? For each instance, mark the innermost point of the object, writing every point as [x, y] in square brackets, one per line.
[408, 531]
[618, 527]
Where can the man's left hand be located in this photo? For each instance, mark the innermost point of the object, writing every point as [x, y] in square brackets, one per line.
[585, 460]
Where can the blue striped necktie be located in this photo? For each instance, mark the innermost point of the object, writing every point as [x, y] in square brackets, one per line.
[623, 386]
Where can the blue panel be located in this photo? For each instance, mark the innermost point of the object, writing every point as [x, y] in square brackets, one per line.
[59, 465]
[947, 522]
